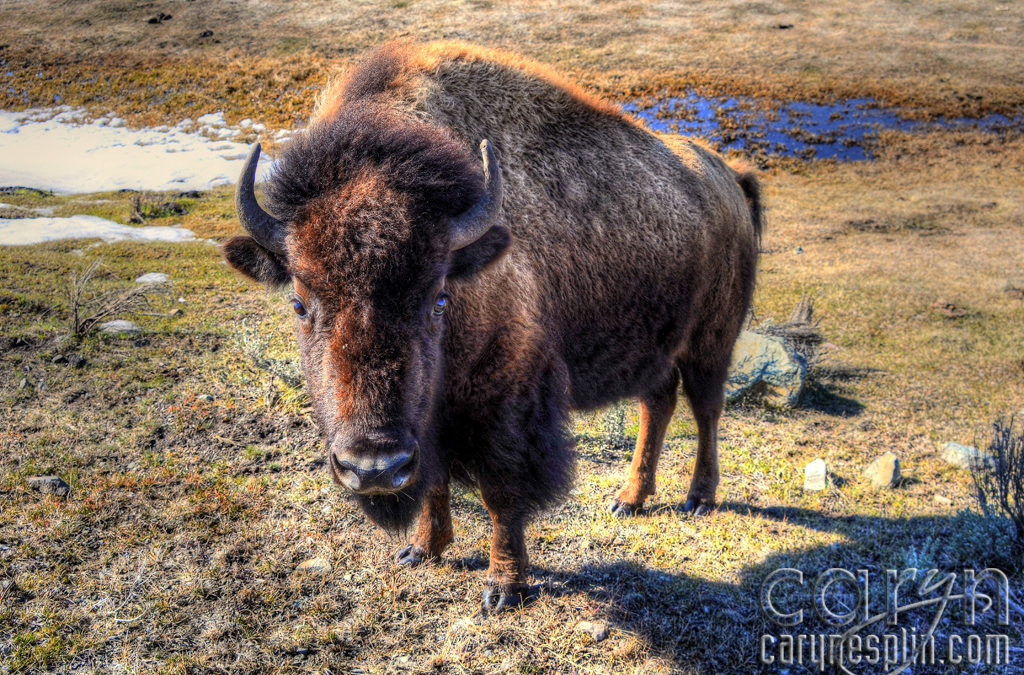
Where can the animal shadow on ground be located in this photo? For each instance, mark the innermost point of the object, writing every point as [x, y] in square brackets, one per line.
[707, 626]
[824, 390]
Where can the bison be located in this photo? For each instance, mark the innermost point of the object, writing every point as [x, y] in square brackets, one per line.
[452, 307]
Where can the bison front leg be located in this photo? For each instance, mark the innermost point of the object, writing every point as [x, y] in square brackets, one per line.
[655, 413]
[506, 585]
[433, 531]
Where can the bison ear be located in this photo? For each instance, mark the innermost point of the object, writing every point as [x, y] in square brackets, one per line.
[481, 253]
[256, 262]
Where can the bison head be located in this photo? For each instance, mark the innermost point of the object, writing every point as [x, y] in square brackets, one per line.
[372, 220]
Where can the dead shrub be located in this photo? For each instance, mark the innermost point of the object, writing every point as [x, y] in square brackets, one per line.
[148, 207]
[999, 483]
[254, 341]
[801, 331]
[88, 307]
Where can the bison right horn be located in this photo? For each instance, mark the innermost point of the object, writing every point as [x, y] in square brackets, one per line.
[268, 231]
[472, 224]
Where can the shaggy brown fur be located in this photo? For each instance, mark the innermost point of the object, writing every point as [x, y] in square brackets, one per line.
[616, 269]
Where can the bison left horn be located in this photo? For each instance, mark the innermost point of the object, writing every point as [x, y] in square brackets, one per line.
[267, 230]
[472, 224]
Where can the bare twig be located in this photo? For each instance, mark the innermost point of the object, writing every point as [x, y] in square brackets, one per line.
[87, 309]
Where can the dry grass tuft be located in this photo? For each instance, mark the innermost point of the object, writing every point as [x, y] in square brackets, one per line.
[999, 487]
[88, 307]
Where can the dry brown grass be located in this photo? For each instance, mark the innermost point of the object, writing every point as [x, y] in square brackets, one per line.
[176, 550]
[265, 59]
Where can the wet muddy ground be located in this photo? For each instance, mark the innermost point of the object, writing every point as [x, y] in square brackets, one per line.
[845, 131]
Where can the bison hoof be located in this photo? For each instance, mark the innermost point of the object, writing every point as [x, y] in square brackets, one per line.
[621, 509]
[499, 597]
[697, 507]
[411, 556]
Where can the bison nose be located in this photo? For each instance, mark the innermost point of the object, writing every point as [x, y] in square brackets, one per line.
[378, 474]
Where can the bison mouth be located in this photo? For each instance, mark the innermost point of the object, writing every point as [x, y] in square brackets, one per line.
[393, 511]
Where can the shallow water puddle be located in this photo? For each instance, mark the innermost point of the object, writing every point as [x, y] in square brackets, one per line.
[842, 131]
[65, 151]
[24, 231]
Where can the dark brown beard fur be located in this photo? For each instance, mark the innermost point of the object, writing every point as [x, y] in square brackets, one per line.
[395, 512]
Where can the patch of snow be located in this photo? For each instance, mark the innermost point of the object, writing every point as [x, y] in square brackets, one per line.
[23, 231]
[212, 119]
[62, 150]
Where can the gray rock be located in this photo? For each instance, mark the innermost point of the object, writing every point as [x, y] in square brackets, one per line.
[120, 327]
[77, 361]
[768, 367]
[153, 278]
[816, 476]
[884, 471]
[595, 629]
[314, 565]
[965, 456]
[50, 485]
[206, 397]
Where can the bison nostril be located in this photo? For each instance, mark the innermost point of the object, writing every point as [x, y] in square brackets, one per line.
[347, 473]
[403, 474]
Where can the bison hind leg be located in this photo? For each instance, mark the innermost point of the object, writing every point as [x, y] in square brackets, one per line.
[704, 384]
[656, 410]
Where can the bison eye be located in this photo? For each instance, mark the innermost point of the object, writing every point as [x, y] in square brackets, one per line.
[440, 304]
[300, 308]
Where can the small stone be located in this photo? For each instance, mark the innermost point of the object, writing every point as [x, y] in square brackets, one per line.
[153, 278]
[965, 456]
[177, 311]
[595, 629]
[798, 250]
[884, 471]
[23, 383]
[206, 397]
[76, 361]
[50, 485]
[120, 327]
[768, 367]
[316, 565]
[59, 358]
[815, 476]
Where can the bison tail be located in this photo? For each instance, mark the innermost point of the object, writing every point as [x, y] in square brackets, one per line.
[748, 182]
